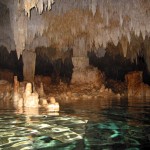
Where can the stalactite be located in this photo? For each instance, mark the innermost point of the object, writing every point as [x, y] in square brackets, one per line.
[124, 44]
[28, 5]
[100, 21]
[39, 4]
[94, 6]
[147, 52]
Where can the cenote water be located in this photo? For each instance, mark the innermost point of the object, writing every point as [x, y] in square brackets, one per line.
[81, 125]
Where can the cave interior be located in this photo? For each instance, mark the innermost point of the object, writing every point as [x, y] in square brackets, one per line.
[62, 39]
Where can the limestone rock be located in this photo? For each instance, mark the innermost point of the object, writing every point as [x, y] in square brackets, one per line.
[40, 90]
[30, 99]
[16, 84]
[136, 87]
[102, 89]
[6, 75]
[43, 101]
[88, 75]
[5, 87]
[80, 62]
[46, 80]
[53, 105]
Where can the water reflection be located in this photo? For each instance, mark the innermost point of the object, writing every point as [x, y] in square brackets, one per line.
[83, 124]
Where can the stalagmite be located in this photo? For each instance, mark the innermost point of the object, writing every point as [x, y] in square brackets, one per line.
[29, 59]
[41, 90]
[16, 84]
[30, 98]
[17, 100]
[124, 44]
[83, 73]
[53, 106]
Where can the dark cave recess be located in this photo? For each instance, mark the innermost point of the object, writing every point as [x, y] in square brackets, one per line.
[115, 67]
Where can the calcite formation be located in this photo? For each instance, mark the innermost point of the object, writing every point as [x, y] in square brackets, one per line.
[16, 84]
[79, 25]
[7, 75]
[88, 75]
[40, 90]
[30, 98]
[5, 89]
[136, 87]
[46, 80]
[17, 99]
[53, 105]
[32, 25]
[83, 73]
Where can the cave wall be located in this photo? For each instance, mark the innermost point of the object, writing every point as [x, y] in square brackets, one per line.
[6, 34]
[9, 64]
[116, 66]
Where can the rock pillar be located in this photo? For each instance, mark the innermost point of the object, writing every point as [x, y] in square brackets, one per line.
[136, 87]
[83, 73]
[29, 60]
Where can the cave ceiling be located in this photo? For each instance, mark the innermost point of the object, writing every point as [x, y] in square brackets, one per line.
[62, 24]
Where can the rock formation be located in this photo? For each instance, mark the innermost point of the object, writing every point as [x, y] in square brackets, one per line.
[136, 87]
[5, 90]
[27, 25]
[30, 98]
[80, 26]
[53, 105]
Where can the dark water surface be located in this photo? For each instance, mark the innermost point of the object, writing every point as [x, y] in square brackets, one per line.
[81, 125]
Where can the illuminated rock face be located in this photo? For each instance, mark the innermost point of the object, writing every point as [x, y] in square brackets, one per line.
[88, 75]
[30, 99]
[136, 87]
[53, 105]
[83, 73]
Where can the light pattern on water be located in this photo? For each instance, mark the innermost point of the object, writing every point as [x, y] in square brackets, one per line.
[92, 124]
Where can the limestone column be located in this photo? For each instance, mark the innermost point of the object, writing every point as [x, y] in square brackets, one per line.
[135, 84]
[80, 61]
[83, 73]
[29, 60]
